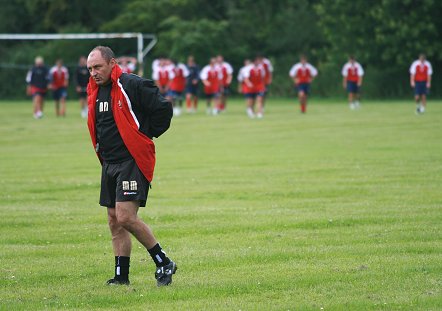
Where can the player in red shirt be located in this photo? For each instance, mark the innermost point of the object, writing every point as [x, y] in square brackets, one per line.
[420, 80]
[127, 64]
[268, 69]
[59, 83]
[162, 75]
[303, 74]
[242, 86]
[211, 78]
[352, 81]
[177, 87]
[226, 72]
[254, 79]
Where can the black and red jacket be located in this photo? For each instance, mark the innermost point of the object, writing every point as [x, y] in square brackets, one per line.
[140, 113]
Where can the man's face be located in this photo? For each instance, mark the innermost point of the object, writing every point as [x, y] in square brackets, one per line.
[99, 68]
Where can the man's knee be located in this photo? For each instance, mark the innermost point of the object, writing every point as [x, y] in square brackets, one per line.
[112, 219]
[125, 215]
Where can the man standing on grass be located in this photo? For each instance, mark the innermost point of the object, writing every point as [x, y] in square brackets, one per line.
[81, 81]
[420, 80]
[226, 72]
[254, 78]
[125, 113]
[59, 84]
[352, 81]
[192, 85]
[303, 74]
[38, 80]
[211, 78]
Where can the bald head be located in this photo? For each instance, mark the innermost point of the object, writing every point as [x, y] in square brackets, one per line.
[100, 62]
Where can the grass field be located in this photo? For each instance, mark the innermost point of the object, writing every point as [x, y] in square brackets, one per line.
[332, 210]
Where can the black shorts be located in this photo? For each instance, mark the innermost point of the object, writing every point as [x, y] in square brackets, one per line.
[121, 182]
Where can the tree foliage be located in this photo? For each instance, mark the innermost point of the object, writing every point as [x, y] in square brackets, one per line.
[384, 35]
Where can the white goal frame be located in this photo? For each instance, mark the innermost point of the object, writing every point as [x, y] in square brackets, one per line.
[141, 50]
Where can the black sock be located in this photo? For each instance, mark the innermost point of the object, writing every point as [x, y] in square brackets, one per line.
[122, 268]
[159, 257]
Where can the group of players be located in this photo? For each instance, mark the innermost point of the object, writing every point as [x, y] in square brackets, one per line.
[41, 79]
[303, 74]
[177, 81]
[254, 78]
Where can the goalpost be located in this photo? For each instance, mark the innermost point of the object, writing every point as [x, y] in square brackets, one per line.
[141, 50]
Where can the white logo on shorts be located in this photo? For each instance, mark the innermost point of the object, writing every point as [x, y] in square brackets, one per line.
[130, 185]
[125, 185]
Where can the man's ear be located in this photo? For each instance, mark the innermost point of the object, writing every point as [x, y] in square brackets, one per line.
[113, 62]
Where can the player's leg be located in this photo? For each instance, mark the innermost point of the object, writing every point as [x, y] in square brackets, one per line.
[423, 103]
[122, 246]
[221, 100]
[83, 107]
[357, 97]
[260, 105]
[250, 106]
[304, 103]
[179, 98]
[189, 101]
[225, 94]
[36, 101]
[418, 92]
[127, 216]
[302, 100]
[217, 103]
[63, 105]
[55, 95]
[195, 101]
[121, 240]
[209, 103]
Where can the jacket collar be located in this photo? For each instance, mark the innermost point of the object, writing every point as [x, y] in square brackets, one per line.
[115, 75]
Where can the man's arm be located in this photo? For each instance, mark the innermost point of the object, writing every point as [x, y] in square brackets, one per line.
[158, 110]
[229, 79]
[270, 78]
[412, 80]
[248, 82]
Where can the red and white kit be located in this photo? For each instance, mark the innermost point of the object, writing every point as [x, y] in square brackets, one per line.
[59, 77]
[421, 70]
[214, 77]
[352, 71]
[178, 83]
[303, 72]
